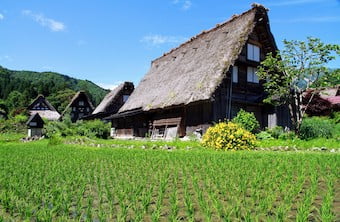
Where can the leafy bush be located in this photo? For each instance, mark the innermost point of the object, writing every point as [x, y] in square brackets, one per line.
[22, 119]
[16, 124]
[275, 131]
[52, 128]
[287, 136]
[315, 127]
[54, 140]
[93, 128]
[228, 136]
[264, 135]
[335, 117]
[247, 121]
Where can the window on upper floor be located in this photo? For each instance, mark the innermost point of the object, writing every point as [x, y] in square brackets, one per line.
[81, 103]
[125, 98]
[253, 52]
[251, 75]
[33, 124]
[235, 74]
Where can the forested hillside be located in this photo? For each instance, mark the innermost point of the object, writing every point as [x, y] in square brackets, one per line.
[19, 88]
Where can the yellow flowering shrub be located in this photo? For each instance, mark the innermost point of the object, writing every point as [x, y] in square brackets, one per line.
[228, 136]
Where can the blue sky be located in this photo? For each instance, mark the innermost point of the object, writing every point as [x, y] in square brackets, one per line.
[110, 41]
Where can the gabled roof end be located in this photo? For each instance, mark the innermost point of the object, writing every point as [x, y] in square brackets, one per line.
[258, 5]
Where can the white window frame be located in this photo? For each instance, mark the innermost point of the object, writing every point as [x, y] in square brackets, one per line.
[251, 75]
[235, 74]
[253, 52]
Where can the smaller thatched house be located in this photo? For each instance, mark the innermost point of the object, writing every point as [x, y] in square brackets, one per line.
[79, 106]
[112, 102]
[41, 106]
[35, 125]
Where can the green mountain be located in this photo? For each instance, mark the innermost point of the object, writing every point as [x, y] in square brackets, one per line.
[19, 88]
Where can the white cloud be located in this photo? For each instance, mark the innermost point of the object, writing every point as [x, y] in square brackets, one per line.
[109, 85]
[185, 4]
[293, 2]
[161, 39]
[53, 25]
[309, 19]
[2, 16]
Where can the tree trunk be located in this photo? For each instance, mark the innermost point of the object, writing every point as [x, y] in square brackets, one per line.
[299, 110]
[291, 111]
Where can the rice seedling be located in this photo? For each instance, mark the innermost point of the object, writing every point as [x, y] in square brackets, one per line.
[74, 183]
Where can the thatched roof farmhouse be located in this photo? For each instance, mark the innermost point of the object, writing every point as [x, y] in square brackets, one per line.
[204, 80]
[79, 106]
[113, 101]
[41, 106]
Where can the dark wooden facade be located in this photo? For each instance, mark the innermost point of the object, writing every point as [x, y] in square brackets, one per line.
[79, 107]
[112, 102]
[121, 98]
[35, 124]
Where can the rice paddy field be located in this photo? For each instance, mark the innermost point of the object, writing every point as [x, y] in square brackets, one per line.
[40, 182]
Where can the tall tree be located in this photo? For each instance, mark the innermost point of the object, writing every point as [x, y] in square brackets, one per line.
[3, 109]
[288, 73]
[61, 99]
[16, 101]
[329, 79]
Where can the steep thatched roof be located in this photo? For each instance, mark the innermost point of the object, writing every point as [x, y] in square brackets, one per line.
[46, 114]
[49, 113]
[74, 100]
[41, 99]
[105, 106]
[194, 70]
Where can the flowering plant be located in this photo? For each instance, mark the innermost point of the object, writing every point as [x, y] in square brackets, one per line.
[228, 136]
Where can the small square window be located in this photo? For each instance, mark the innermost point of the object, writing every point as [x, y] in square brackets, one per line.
[235, 74]
[251, 75]
[253, 52]
[33, 124]
[81, 103]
